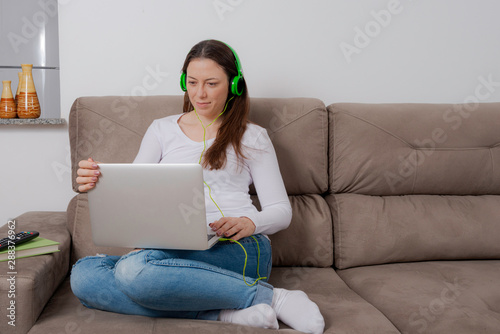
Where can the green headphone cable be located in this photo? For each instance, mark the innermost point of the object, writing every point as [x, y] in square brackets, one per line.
[205, 146]
[210, 194]
[205, 127]
[246, 259]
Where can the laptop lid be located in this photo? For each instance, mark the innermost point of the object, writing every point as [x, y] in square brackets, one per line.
[150, 206]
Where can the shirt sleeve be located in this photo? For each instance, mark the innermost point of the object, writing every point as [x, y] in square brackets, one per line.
[151, 148]
[276, 211]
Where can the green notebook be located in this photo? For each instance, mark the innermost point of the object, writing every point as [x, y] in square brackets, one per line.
[37, 246]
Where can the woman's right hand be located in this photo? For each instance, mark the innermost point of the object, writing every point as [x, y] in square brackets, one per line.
[88, 174]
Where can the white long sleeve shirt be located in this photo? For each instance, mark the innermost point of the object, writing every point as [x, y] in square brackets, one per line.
[165, 142]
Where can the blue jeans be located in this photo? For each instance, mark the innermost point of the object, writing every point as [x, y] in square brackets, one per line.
[176, 283]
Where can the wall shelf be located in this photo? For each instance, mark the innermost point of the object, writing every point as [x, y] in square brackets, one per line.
[31, 121]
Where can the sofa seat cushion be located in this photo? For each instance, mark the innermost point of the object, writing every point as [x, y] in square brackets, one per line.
[433, 297]
[344, 311]
[65, 314]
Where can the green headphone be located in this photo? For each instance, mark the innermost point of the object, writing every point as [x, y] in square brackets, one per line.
[235, 84]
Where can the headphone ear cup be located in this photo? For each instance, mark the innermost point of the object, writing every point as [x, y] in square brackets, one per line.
[183, 81]
[237, 85]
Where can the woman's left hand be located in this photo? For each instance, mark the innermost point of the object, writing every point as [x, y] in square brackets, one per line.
[234, 227]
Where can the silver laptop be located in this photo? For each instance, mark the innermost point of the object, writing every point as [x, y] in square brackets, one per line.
[150, 206]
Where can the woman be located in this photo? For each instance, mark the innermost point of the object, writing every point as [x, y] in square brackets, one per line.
[213, 284]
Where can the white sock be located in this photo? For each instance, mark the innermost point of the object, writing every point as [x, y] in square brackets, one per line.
[261, 315]
[295, 309]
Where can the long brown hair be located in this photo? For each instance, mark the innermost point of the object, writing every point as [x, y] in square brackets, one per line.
[235, 118]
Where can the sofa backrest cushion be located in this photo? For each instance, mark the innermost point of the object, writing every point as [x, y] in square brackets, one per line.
[413, 182]
[308, 245]
[400, 149]
[387, 229]
[110, 129]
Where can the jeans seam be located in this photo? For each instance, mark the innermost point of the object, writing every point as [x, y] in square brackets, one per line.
[91, 257]
[247, 240]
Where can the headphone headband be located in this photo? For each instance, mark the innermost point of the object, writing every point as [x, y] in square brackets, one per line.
[235, 84]
[236, 61]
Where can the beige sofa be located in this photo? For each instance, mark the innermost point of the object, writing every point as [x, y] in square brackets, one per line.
[396, 218]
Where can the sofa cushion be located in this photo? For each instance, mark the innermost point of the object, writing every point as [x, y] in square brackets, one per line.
[110, 129]
[400, 149]
[384, 229]
[308, 241]
[300, 245]
[81, 232]
[432, 297]
[65, 314]
[298, 128]
[36, 278]
[344, 311]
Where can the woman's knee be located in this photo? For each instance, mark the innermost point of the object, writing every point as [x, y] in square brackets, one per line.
[89, 271]
[129, 267]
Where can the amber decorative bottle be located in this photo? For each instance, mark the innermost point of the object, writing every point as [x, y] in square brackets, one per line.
[19, 74]
[28, 105]
[7, 103]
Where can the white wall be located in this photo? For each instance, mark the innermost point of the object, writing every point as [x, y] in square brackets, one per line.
[433, 51]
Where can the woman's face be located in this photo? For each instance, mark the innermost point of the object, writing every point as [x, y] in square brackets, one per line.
[207, 86]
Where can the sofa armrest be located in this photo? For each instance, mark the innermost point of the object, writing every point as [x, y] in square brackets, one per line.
[25, 292]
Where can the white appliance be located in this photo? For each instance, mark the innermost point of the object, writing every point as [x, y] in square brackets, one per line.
[29, 35]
